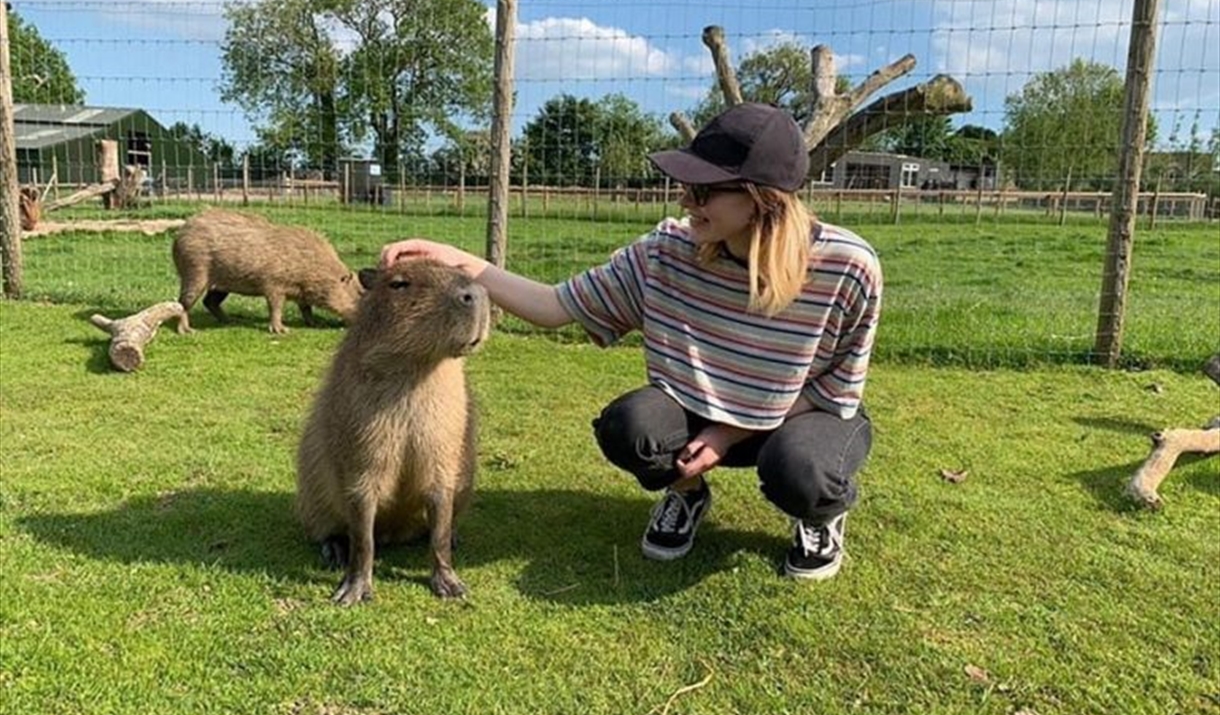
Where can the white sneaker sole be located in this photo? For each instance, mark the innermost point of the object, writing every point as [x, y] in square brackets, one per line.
[662, 553]
[820, 574]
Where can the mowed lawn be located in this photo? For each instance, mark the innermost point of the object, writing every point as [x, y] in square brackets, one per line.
[149, 561]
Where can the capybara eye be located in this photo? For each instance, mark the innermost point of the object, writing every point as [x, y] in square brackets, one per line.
[399, 283]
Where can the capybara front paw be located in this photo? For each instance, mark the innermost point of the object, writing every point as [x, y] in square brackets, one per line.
[446, 584]
[278, 330]
[353, 590]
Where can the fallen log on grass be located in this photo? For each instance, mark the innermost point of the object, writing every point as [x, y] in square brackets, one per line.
[131, 334]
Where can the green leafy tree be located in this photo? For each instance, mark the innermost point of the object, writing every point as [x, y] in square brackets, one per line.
[972, 145]
[40, 72]
[418, 67]
[781, 75]
[281, 65]
[1064, 128]
[562, 142]
[924, 136]
[214, 148]
[465, 156]
[269, 160]
[625, 136]
[933, 138]
[573, 140]
[405, 69]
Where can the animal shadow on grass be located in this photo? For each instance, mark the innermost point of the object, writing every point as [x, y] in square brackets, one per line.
[578, 547]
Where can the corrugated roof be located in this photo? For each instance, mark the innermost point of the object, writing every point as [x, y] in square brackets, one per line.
[70, 114]
[41, 125]
[37, 136]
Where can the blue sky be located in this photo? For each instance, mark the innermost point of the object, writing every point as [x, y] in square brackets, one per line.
[163, 55]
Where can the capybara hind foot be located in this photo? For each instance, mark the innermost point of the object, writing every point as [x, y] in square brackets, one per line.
[446, 584]
[353, 590]
[335, 552]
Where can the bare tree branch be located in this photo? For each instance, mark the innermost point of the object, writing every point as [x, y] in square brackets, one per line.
[713, 37]
[941, 96]
[679, 121]
[832, 129]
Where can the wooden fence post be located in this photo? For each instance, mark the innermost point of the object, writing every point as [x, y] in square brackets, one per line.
[1111, 313]
[501, 134]
[10, 208]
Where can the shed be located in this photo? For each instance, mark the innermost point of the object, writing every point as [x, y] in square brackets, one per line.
[877, 170]
[362, 181]
[61, 139]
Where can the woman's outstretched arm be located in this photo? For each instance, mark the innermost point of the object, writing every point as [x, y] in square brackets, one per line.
[527, 299]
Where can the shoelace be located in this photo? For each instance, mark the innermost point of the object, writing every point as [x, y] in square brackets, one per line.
[812, 539]
[671, 508]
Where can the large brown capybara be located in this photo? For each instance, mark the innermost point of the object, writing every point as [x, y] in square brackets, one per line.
[388, 452]
[219, 252]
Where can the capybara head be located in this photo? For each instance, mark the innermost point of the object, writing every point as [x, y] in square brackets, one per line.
[423, 310]
[343, 297]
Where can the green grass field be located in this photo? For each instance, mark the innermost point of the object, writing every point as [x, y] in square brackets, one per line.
[150, 562]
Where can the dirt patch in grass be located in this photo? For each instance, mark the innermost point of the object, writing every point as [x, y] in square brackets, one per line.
[148, 227]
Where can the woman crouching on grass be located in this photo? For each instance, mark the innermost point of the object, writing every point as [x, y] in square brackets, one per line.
[758, 322]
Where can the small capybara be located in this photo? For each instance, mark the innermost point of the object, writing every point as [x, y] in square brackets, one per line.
[220, 252]
[388, 451]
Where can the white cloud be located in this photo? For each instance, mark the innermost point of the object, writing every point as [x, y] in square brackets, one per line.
[579, 49]
[198, 20]
[994, 48]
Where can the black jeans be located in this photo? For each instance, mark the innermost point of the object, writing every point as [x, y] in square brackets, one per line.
[806, 466]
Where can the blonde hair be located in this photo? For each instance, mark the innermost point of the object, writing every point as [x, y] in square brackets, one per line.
[778, 257]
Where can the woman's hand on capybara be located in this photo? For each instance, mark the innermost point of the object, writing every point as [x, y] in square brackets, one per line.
[423, 248]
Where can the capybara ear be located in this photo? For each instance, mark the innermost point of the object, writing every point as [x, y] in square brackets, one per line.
[367, 276]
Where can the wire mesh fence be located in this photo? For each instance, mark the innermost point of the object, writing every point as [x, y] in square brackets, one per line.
[990, 218]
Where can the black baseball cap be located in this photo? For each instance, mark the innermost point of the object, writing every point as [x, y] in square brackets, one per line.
[760, 143]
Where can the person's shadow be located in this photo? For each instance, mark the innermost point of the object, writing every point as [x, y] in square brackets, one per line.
[577, 547]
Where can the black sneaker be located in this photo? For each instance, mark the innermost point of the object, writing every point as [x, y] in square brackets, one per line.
[817, 549]
[675, 519]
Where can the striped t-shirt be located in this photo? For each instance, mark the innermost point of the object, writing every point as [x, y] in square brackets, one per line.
[719, 361]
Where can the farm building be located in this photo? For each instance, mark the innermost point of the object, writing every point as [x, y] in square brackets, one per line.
[61, 140]
[873, 170]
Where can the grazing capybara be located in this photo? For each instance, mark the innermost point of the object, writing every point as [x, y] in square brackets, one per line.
[220, 252]
[388, 452]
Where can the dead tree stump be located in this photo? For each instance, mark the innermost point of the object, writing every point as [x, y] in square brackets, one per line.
[1169, 444]
[131, 334]
[834, 127]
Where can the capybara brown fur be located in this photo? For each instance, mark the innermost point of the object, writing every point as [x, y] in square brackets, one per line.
[219, 252]
[388, 451]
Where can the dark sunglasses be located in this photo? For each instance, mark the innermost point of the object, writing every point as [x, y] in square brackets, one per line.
[702, 193]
